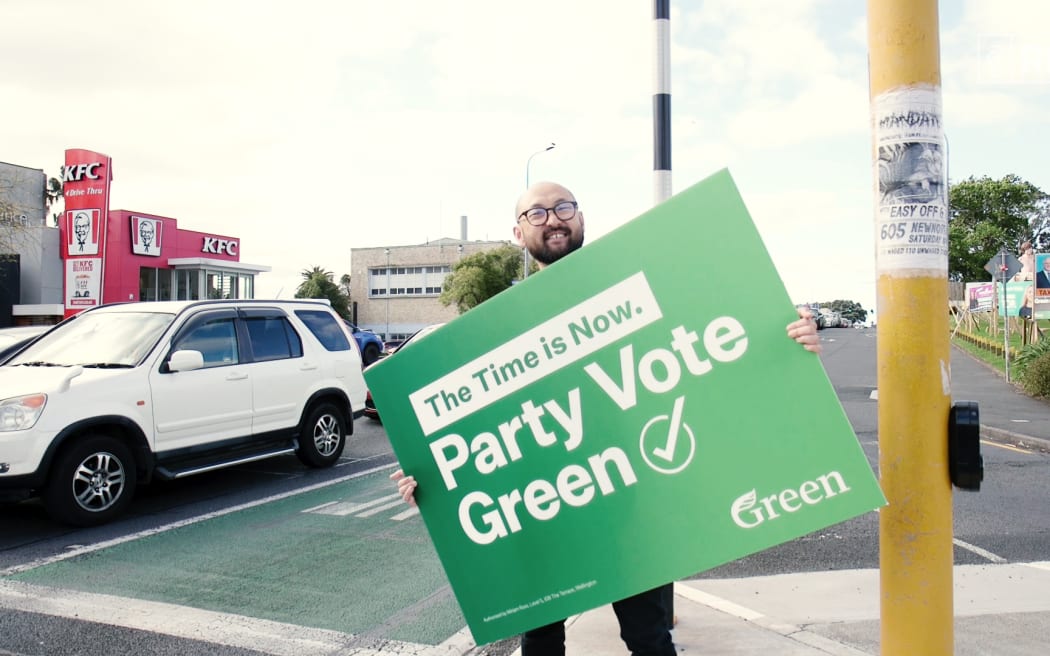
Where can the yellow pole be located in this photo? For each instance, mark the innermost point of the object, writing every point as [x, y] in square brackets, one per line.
[915, 529]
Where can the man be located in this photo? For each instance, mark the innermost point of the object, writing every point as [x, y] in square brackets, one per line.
[82, 229]
[146, 231]
[550, 225]
[1042, 279]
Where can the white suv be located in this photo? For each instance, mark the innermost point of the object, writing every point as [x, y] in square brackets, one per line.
[121, 394]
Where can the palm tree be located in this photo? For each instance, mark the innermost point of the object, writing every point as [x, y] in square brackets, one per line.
[52, 194]
[316, 272]
[317, 283]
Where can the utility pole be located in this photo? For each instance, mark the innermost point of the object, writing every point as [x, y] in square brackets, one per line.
[911, 221]
[662, 156]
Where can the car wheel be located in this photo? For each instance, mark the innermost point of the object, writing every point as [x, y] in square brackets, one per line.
[323, 436]
[92, 481]
[370, 354]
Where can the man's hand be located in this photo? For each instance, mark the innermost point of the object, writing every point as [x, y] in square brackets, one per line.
[406, 486]
[804, 331]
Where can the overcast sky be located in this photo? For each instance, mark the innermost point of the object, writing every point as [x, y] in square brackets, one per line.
[312, 127]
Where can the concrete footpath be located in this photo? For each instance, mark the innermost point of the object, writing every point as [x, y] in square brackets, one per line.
[1000, 609]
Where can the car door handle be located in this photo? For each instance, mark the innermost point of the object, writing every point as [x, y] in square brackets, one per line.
[308, 366]
[237, 376]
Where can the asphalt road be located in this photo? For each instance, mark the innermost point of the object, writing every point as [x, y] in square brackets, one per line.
[276, 558]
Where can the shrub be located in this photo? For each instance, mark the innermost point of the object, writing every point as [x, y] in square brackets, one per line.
[1030, 353]
[1036, 376]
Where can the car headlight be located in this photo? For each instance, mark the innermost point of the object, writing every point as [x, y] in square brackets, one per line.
[21, 412]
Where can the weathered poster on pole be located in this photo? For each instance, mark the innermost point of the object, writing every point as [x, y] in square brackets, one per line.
[633, 414]
[911, 223]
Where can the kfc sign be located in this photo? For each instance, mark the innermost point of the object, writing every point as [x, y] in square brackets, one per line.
[146, 236]
[79, 172]
[220, 246]
[83, 230]
[86, 177]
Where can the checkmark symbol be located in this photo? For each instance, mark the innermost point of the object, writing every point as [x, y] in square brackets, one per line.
[667, 451]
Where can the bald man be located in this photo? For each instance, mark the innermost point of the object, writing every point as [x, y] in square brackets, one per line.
[549, 223]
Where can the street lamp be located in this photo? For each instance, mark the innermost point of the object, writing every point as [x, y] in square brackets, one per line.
[386, 333]
[528, 163]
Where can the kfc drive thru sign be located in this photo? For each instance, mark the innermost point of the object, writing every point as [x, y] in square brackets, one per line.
[86, 179]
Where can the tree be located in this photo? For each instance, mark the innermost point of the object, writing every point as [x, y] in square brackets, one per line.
[52, 194]
[19, 204]
[851, 310]
[344, 285]
[478, 277]
[318, 283]
[987, 215]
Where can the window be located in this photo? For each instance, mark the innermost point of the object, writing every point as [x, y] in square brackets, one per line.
[155, 284]
[187, 285]
[273, 339]
[325, 328]
[147, 284]
[406, 281]
[216, 339]
[246, 286]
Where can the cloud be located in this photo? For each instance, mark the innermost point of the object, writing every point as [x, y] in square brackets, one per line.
[311, 128]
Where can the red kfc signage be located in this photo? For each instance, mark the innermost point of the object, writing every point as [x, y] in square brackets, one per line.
[86, 177]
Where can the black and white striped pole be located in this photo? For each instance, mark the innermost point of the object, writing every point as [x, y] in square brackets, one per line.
[662, 102]
[662, 159]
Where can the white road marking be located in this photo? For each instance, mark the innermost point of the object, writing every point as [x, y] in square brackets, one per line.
[343, 508]
[979, 551]
[265, 636]
[411, 512]
[718, 603]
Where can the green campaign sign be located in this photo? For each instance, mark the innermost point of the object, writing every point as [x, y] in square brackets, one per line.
[632, 415]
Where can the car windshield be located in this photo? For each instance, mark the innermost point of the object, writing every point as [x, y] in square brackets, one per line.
[419, 334]
[102, 339]
[9, 336]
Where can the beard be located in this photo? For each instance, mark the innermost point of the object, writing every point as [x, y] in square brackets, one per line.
[546, 255]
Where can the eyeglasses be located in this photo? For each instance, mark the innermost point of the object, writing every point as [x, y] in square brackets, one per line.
[537, 216]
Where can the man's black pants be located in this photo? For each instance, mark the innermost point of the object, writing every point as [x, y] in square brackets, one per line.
[643, 628]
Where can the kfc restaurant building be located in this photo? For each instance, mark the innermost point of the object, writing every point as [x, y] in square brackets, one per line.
[111, 256]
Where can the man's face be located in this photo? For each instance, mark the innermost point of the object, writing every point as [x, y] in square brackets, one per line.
[1046, 264]
[81, 225]
[554, 239]
[146, 232]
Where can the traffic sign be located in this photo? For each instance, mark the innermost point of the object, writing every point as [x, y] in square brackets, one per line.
[1003, 265]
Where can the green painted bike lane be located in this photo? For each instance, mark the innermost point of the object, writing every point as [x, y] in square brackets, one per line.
[349, 557]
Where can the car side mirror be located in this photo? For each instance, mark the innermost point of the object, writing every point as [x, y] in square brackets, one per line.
[186, 361]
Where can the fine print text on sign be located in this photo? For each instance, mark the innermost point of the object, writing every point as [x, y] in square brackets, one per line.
[632, 415]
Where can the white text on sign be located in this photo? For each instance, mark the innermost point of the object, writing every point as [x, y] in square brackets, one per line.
[602, 319]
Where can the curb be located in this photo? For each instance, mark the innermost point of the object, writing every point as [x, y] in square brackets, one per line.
[1001, 435]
